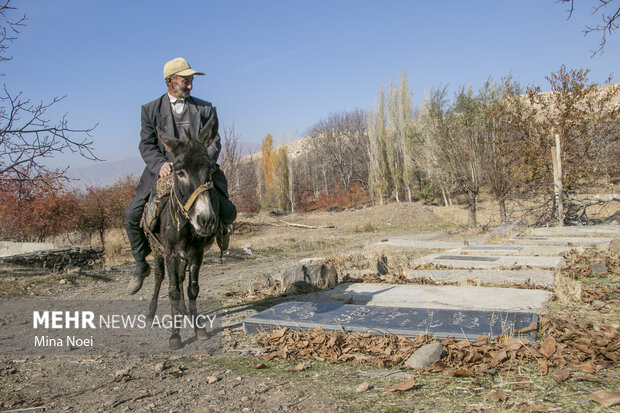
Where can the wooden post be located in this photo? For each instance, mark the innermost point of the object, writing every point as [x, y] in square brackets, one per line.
[556, 157]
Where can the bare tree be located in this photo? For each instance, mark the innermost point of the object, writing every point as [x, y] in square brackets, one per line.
[378, 170]
[609, 20]
[582, 118]
[27, 135]
[340, 143]
[230, 157]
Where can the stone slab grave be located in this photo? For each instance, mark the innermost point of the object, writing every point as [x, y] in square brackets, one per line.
[577, 230]
[528, 250]
[410, 322]
[404, 242]
[599, 243]
[434, 296]
[454, 260]
[534, 277]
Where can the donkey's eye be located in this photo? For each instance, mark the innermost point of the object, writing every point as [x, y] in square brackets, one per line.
[181, 173]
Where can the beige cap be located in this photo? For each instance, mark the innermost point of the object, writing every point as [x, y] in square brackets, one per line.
[180, 67]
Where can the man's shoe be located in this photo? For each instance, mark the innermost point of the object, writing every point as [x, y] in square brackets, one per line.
[142, 270]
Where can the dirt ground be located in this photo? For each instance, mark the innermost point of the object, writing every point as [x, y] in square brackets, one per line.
[237, 379]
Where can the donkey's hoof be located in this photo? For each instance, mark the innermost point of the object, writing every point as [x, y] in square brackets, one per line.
[149, 321]
[201, 334]
[174, 342]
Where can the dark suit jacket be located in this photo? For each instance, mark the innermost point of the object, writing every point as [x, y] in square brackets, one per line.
[159, 113]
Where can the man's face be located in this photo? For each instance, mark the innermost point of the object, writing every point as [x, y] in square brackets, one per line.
[180, 86]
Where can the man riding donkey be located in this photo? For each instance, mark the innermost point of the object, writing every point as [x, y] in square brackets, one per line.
[178, 114]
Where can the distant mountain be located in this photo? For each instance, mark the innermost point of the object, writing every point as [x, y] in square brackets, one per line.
[104, 173]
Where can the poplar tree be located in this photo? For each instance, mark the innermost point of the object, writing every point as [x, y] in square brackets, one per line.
[378, 171]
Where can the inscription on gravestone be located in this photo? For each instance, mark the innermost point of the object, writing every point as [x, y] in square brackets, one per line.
[467, 258]
[410, 322]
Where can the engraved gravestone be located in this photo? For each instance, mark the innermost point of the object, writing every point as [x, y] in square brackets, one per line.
[410, 322]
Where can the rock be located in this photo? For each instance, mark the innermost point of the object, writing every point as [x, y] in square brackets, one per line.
[121, 373]
[247, 251]
[63, 281]
[598, 304]
[362, 387]
[302, 278]
[423, 357]
[613, 219]
[212, 379]
[598, 269]
[321, 276]
[504, 231]
[262, 282]
[160, 366]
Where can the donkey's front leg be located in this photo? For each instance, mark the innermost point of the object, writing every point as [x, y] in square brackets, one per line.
[176, 268]
[159, 277]
[192, 293]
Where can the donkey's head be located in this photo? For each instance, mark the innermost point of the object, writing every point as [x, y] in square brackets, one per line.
[193, 184]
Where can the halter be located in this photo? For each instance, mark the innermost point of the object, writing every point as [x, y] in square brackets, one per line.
[190, 201]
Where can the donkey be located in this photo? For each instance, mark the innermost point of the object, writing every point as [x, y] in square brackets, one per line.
[189, 221]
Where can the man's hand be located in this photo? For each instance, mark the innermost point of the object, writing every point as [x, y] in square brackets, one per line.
[165, 169]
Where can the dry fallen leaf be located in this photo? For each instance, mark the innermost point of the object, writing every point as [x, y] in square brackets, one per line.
[498, 357]
[591, 378]
[548, 346]
[544, 367]
[300, 367]
[497, 396]
[462, 373]
[512, 343]
[560, 375]
[257, 365]
[527, 329]
[587, 367]
[606, 398]
[362, 387]
[278, 333]
[404, 386]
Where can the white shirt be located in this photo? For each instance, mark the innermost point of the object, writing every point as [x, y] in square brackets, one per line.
[178, 104]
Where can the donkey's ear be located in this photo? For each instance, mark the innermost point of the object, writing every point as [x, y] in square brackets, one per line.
[170, 143]
[209, 132]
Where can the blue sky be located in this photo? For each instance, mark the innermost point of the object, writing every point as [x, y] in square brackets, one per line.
[280, 66]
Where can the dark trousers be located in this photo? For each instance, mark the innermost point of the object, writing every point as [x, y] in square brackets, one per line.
[137, 239]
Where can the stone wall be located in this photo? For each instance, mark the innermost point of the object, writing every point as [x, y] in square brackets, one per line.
[59, 259]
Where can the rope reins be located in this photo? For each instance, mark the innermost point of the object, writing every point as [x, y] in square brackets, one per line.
[190, 201]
